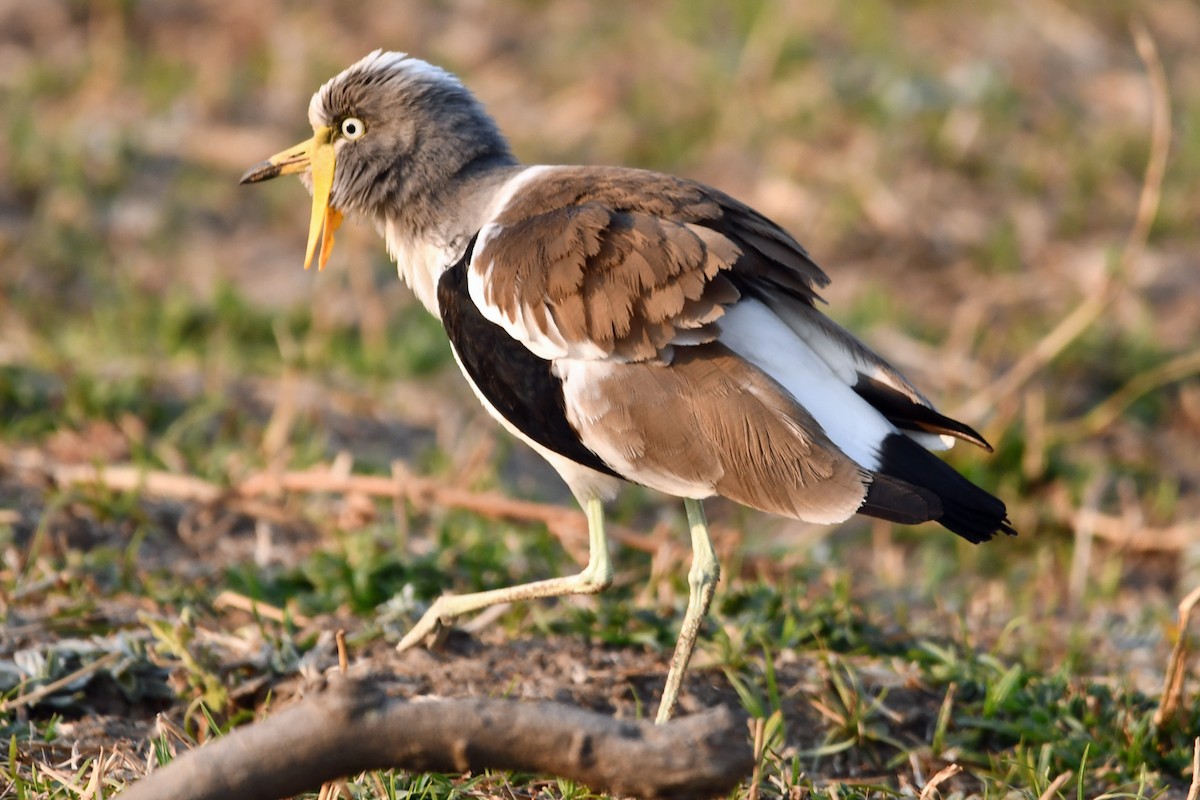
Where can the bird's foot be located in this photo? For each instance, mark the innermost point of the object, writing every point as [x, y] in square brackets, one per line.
[430, 630]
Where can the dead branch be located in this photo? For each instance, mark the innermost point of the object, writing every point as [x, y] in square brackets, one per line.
[422, 492]
[128, 478]
[426, 492]
[1126, 534]
[351, 726]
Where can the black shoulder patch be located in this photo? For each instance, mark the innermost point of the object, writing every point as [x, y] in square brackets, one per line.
[515, 381]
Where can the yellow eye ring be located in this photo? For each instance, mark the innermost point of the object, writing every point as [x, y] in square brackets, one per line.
[353, 128]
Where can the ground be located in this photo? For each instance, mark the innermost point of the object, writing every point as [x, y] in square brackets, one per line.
[211, 460]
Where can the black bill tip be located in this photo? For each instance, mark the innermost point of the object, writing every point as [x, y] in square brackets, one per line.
[262, 171]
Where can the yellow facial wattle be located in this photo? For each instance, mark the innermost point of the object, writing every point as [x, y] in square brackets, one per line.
[317, 155]
[325, 218]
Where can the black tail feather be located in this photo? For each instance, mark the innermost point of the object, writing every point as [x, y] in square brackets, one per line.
[913, 485]
[897, 501]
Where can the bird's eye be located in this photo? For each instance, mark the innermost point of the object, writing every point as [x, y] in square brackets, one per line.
[353, 128]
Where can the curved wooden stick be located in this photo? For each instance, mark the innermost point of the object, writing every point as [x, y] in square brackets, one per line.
[351, 726]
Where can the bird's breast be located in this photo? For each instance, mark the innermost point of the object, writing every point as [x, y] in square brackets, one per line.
[420, 262]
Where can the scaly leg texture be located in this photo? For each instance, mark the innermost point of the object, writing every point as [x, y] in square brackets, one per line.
[596, 577]
[702, 580]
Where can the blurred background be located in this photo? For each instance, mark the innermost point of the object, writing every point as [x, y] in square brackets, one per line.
[1006, 194]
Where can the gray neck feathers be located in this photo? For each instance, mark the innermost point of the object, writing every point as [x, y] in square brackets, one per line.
[456, 152]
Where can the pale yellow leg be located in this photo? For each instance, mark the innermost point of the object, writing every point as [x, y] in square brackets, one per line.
[702, 580]
[596, 577]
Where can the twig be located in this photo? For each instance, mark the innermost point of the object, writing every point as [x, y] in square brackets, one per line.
[343, 657]
[426, 491]
[232, 599]
[99, 768]
[1092, 306]
[128, 478]
[420, 491]
[305, 745]
[1055, 785]
[1053, 343]
[944, 774]
[760, 728]
[1118, 530]
[1171, 539]
[106, 660]
[1104, 414]
[1172, 693]
[1084, 524]
[1160, 140]
[1194, 789]
[330, 789]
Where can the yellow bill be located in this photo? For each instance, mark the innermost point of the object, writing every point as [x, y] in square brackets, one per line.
[316, 155]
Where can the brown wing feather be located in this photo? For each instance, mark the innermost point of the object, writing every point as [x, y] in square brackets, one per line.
[712, 423]
[627, 259]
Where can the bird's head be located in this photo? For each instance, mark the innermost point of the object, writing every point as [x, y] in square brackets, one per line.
[389, 133]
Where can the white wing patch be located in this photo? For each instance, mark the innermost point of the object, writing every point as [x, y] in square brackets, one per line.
[755, 333]
[839, 350]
